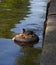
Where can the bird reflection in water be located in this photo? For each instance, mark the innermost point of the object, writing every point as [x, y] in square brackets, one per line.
[25, 45]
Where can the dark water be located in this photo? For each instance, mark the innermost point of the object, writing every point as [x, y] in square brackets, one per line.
[14, 16]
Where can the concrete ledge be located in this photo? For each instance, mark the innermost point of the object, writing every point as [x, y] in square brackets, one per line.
[49, 48]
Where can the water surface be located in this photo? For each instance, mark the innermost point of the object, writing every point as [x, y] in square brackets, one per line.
[14, 16]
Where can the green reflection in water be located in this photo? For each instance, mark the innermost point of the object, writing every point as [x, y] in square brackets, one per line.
[11, 12]
[31, 56]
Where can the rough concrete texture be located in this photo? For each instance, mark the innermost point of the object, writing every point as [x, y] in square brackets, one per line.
[49, 48]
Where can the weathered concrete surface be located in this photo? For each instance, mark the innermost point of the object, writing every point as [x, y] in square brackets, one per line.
[49, 48]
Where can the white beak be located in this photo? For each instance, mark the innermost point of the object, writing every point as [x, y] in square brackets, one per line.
[13, 38]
